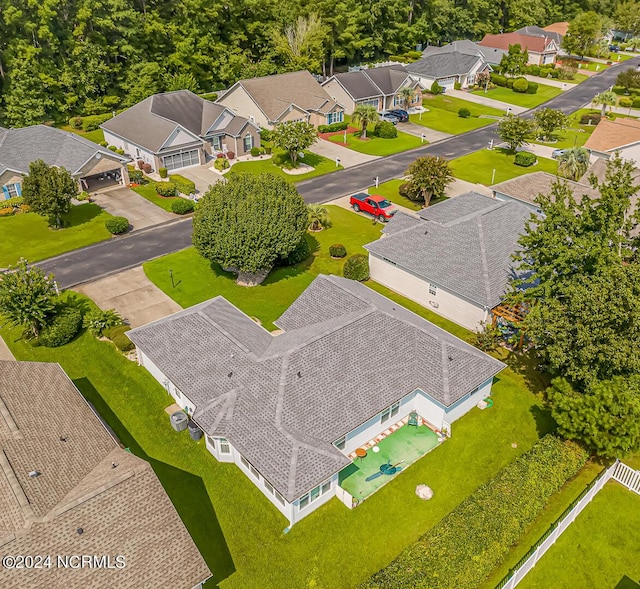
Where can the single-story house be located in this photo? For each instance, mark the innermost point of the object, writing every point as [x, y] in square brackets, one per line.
[290, 409]
[456, 63]
[93, 166]
[534, 31]
[542, 49]
[270, 100]
[621, 135]
[376, 86]
[560, 28]
[525, 189]
[178, 129]
[456, 258]
[68, 489]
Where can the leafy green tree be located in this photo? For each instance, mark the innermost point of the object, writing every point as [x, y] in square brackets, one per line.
[514, 62]
[629, 79]
[27, 296]
[549, 120]
[302, 43]
[48, 190]
[605, 418]
[573, 163]
[407, 93]
[318, 217]
[429, 176]
[364, 115]
[607, 98]
[142, 80]
[515, 131]
[294, 137]
[584, 31]
[247, 222]
[181, 81]
[627, 17]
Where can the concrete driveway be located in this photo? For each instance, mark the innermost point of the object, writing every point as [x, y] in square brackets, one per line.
[202, 176]
[124, 202]
[348, 157]
[430, 135]
[131, 294]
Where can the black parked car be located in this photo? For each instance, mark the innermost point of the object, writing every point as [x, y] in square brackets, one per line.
[403, 115]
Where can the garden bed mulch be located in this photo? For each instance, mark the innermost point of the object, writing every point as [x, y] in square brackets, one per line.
[350, 131]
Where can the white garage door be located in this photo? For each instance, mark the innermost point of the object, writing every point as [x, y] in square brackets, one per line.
[181, 160]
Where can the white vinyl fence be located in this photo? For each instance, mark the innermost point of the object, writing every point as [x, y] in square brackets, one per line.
[618, 471]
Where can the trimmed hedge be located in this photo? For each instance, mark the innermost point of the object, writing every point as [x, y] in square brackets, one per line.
[255, 151]
[520, 85]
[221, 163]
[476, 536]
[117, 225]
[337, 250]
[464, 113]
[163, 172]
[525, 159]
[62, 329]
[532, 88]
[385, 130]
[498, 80]
[9, 203]
[356, 268]
[91, 123]
[212, 96]
[166, 188]
[332, 128]
[183, 184]
[435, 88]
[182, 206]
[118, 335]
[590, 118]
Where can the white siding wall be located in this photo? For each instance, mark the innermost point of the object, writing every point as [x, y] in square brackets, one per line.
[340, 95]
[461, 408]
[449, 305]
[297, 514]
[429, 410]
[135, 153]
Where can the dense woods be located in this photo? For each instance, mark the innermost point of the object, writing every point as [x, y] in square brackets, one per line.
[64, 57]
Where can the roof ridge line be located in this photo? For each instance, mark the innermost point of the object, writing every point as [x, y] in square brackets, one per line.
[483, 257]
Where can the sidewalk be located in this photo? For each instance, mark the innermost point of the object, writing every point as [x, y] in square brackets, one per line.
[551, 82]
[348, 157]
[478, 99]
[418, 130]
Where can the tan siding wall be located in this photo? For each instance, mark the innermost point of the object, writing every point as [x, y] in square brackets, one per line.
[449, 305]
[240, 103]
[96, 166]
[339, 94]
[293, 115]
[9, 177]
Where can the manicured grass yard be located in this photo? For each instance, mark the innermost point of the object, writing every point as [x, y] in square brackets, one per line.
[148, 191]
[443, 114]
[96, 136]
[377, 146]
[575, 136]
[321, 164]
[525, 100]
[478, 166]
[598, 549]
[29, 236]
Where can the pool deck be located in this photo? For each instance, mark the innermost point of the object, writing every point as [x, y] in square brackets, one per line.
[407, 444]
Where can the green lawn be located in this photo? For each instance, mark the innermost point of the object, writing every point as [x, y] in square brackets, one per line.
[96, 136]
[377, 146]
[576, 80]
[321, 164]
[575, 135]
[148, 191]
[235, 526]
[543, 94]
[29, 236]
[592, 65]
[478, 166]
[197, 280]
[598, 549]
[443, 114]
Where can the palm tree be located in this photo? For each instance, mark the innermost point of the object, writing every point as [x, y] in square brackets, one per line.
[318, 217]
[607, 98]
[363, 115]
[407, 93]
[573, 163]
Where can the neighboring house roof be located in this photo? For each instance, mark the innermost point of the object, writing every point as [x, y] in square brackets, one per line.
[464, 244]
[374, 82]
[534, 31]
[20, 147]
[448, 63]
[48, 427]
[560, 28]
[505, 40]
[152, 122]
[610, 135]
[345, 355]
[275, 94]
[529, 186]
[465, 46]
[599, 170]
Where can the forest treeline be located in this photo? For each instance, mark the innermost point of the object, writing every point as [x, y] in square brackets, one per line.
[59, 58]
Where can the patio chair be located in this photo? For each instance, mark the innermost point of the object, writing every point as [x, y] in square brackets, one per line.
[413, 419]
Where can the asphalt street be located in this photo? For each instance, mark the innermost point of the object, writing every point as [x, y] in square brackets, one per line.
[122, 253]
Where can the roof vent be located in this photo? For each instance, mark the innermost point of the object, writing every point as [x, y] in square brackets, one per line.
[80, 531]
[426, 231]
[114, 465]
[299, 374]
[230, 374]
[34, 473]
[64, 438]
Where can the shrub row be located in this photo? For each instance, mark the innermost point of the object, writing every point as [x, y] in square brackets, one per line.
[89, 123]
[476, 536]
[356, 268]
[590, 119]
[525, 159]
[333, 127]
[182, 206]
[118, 335]
[62, 328]
[183, 184]
[521, 85]
[16, 201]
[166, 188]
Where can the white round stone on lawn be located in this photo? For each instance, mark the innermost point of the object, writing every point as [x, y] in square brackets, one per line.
[424, 492]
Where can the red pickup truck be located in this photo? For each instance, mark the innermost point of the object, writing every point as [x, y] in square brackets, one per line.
[375, 205]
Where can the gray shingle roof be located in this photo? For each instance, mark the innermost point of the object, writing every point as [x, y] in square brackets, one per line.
[464, 46]
[441, 65]
[373, 82]
[122, 510]
[534, 31]
[401, 221]
[463, 244]
[283, 405]
[151, 122]
[20, 147]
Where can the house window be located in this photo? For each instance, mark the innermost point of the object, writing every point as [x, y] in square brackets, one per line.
[373, 102]
[254, 471]
[244, 461]
[340, 443]
[433, 289]
[335, 117]
[312, 495]
[325, 487]
[224, 446]
[268, 487]
[398, 100]
[247, 142]
[13, 190]
[278, 496]
[304, 501]
[390, 412]
[216, 143]
[211, 442]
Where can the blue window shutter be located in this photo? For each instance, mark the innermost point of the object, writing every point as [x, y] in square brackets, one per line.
[19, 188]
[5, 191]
